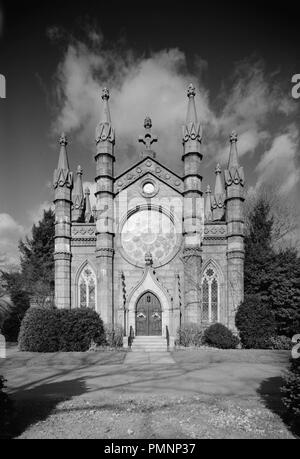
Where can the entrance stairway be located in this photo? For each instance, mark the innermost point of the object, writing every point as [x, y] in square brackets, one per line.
[149, 344]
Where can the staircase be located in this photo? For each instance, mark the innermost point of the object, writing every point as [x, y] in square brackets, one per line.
[149, 344]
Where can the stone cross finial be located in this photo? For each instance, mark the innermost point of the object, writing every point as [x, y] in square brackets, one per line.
[191, 92]
[148, 139]
[148, 259]
[233, 137]
[105, 94]
[63, 140]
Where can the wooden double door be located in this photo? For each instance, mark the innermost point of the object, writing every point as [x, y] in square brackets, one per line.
[148, 315]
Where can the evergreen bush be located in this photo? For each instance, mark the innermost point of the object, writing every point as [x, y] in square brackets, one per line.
[255, 323]
[44, 330]
[217, 335]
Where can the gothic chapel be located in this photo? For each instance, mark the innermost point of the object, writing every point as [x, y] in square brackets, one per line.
[150, 255]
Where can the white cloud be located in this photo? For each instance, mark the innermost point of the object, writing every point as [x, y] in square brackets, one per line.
[156, 86]
[279, 163]
[10, 234]
[37, 213]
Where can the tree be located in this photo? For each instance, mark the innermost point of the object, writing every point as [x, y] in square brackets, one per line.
[37, 260]
[273, 274]
[258, 250]
[13, 284]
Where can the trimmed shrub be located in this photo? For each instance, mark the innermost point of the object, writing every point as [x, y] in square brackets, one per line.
[40, 331]
[291, 394]
[282, 343]
[217, 335]
[78, 328]
[190, 334]
[114, 335]
[44, 330]
[255, 323]
[6, 410]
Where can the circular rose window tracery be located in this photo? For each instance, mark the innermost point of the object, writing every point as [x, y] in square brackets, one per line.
[149, 231]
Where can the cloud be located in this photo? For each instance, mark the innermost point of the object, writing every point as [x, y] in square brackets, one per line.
[10, 234]
[251, 101]
[36, 214]
[279, 163]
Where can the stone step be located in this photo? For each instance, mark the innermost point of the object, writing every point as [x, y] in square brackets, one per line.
[150, 349]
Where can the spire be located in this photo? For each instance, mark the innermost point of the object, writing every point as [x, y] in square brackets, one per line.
[234, 173]
[191, 116]
[219, 196]
[208, 212]
[104, 130]
[148, 139]
[218, 186]
[78, 198]
[192, 130]
[62, 175]
[88, 210]
[233, 155]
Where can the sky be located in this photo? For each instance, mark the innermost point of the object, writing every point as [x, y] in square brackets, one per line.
[57, 57]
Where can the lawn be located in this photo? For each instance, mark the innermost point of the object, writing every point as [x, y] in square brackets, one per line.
[205, 394]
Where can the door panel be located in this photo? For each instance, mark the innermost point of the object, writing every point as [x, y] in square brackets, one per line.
[148, 315]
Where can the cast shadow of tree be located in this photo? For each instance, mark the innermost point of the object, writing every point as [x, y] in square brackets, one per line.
[36, 404]
[271, 396]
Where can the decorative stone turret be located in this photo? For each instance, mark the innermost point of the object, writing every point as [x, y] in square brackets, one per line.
[148, 139]
[63, 183]
[208, 211]
[78, 198]
[218, 200]
[193, 212]
[234, 183]
[104, 157]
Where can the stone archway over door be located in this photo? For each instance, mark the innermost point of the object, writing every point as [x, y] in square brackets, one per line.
[148, 315]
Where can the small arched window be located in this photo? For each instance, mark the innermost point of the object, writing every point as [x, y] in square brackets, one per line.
[210, 295]
[87, 288]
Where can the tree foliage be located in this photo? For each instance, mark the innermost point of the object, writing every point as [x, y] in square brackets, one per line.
[272, 274]
[34, 281]
[37, 260]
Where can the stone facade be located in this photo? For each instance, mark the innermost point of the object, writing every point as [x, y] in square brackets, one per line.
[151, 231]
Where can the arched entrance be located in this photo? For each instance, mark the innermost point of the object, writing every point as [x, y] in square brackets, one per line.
[148, 315]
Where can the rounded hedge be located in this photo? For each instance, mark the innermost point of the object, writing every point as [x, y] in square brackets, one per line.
[39, 331]
[44, 330]
[217, 335]
[255, 323]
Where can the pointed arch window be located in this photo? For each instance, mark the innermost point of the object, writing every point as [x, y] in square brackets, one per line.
[210, 295]
[87, 288]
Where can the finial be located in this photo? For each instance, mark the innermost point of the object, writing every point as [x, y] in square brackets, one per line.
[79, 170]
[233, 137]
[218, 169]
[63, 140]
[148, 123]
[105, 94]
[87, 191]
[191, 91]
[208, 189]
[148, 139]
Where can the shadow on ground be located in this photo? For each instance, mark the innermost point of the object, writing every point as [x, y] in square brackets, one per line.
[36, 404]
[271, 396]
